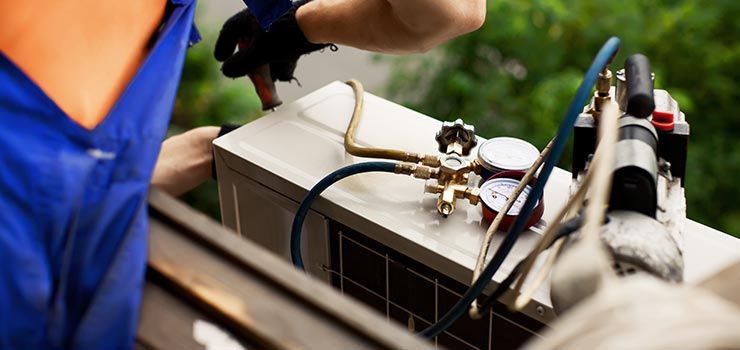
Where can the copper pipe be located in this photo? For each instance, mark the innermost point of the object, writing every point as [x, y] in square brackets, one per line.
[371, 152]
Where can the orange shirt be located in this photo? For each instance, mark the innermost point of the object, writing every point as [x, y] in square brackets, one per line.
[82, 53]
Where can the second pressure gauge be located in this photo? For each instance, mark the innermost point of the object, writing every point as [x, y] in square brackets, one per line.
[506, 153]
[494, 193]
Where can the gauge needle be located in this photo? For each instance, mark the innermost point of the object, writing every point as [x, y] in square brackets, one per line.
[502, 195]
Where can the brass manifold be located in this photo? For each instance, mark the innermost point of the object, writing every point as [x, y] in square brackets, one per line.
[446, 174]
[451, 186]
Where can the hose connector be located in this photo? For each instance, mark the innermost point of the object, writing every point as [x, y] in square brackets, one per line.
[417, 171]
[602, 96]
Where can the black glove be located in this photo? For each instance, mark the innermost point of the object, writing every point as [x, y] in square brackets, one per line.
[280, 47]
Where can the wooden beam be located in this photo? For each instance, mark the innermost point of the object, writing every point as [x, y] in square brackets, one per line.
[253, 294]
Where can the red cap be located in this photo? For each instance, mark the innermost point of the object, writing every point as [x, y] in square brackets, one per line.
[663, 120]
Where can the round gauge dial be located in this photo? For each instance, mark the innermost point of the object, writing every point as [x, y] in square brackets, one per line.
[494, 193]
[506, 153]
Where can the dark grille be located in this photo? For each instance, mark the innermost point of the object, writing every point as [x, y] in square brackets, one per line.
[404, 289]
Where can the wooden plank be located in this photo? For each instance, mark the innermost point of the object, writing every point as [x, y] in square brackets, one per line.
[166, 322]
[215, 282]
[255, 309]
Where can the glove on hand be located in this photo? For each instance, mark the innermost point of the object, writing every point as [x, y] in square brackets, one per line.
[280, 46]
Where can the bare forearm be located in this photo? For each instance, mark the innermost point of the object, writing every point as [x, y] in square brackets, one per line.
[185, 160]
[390, 26]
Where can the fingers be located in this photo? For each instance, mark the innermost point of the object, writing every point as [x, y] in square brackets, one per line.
[280, 47]
[283, 70]
[185, 160]
[242, 63]
[242, 26]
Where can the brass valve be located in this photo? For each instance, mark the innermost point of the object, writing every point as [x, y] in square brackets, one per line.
[602, 96]
[449, 192]
[456, 137]
[452, 183]
[446, 174]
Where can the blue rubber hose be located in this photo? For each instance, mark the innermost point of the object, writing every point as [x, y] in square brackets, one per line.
[300, 216]
[582, 94]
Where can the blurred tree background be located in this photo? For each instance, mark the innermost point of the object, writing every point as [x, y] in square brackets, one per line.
[517, 74]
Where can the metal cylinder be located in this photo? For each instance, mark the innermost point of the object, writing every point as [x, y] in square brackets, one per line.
[636, 167]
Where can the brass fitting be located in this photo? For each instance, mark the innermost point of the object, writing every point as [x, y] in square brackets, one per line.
[452, 183]
[433, 186]
[602, 96]
[446, 200]
[449, 193]
[455, 147]
[417, 171]
[449, 171]
[453, 164]
[472, 195]
[604, 82]
[430, 160]
[476, 167]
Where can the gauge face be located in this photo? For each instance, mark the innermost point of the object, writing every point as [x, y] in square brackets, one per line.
[495, 192]
[507, 153]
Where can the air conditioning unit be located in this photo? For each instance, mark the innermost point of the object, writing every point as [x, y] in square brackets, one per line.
[378, 237]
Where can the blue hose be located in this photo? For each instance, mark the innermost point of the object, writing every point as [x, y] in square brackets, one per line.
[300, 216]
[582, 94]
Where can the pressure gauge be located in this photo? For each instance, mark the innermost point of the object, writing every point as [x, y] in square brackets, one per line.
[506, 153]
[494, 193]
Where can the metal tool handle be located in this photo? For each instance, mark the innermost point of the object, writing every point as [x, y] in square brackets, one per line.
[265, 87]
[263, 83]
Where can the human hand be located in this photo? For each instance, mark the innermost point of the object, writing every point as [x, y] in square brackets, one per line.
[280, 47]
[185, 160]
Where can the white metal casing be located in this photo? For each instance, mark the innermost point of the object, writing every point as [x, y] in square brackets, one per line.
[267, 166]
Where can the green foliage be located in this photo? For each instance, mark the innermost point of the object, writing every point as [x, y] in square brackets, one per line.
[205, 97]
[517, 74]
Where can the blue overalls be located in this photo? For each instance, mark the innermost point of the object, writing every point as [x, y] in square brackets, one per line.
[268, 11]
[73, 213]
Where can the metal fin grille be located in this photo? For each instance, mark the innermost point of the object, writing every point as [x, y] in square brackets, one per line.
[414, 295]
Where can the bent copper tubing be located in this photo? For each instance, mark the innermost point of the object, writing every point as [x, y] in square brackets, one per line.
[371, 152]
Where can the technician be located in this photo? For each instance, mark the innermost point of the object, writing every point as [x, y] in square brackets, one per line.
[86, 92]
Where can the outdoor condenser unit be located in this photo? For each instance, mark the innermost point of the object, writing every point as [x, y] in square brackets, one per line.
[378, 236]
